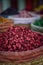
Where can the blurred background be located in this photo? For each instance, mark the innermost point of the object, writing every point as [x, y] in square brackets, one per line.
[21, 4]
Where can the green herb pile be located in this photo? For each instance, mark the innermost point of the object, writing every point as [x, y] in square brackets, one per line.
[39, 22]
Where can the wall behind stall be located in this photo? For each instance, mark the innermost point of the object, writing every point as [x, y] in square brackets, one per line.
[5, 4]
[21, 4]
[18, 4]
[0, 6]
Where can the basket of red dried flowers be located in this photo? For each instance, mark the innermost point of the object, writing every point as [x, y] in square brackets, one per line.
[19, 45]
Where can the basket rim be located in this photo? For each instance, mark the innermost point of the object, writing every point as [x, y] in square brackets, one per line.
[20, 57]
[36, 26]
[30, 51]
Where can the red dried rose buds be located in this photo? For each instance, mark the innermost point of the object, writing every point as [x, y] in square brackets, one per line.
[20, 38]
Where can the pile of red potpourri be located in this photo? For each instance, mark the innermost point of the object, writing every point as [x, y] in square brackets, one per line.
[20, 38]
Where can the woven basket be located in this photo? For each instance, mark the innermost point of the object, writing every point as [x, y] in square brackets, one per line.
[30, 57]
[38, 61]
[5, 24]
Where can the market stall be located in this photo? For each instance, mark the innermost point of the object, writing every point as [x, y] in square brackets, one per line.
[21, 37]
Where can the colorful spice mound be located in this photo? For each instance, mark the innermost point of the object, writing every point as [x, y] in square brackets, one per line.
[20, 39]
